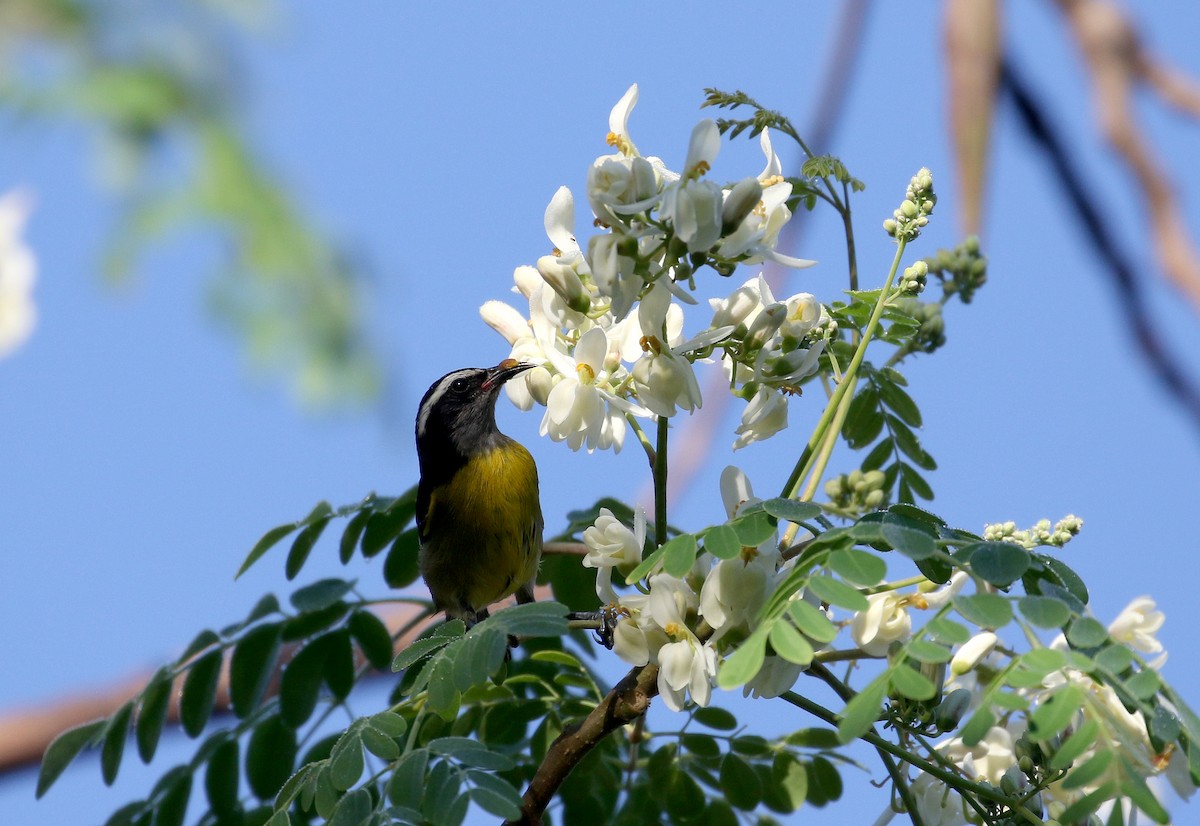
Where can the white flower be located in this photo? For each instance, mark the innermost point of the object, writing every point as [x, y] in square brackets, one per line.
[665, 380]
[986, 760]
[937, 803]
[693, 209]
[611, 545]
[18, 271]
[803, 314]
[764, 416]
[885, 621]
[686, 667]
[618, 121]
[947, 592]
[776, 676]
[742, 305]
[582, 408]
[972, 651]
[1137, 625]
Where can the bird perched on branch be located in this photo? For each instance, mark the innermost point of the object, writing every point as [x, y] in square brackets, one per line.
[479, 518]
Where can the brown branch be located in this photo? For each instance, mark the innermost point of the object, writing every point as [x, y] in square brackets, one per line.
[627, 702]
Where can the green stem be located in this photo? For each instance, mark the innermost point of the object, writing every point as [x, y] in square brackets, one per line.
[642, 438]
[849, 378]
[660, 482]
[848, 226]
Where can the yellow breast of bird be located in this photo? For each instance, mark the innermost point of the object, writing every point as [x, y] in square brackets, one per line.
[488, 524]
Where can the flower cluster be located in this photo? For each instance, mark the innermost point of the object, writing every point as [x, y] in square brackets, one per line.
[601, 365]
[1008, 758]
[18, 270]
[913, 213]
[687, 625]
[1063, 531]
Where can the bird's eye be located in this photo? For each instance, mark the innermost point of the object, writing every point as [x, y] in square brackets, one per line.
[459, 385]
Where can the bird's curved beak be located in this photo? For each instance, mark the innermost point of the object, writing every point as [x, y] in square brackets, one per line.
[504, 371]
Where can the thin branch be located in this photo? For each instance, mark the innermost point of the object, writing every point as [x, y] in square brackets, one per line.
[1034, 118]
[627, 702]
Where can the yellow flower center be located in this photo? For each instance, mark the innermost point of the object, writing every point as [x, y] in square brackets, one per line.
[585, 372]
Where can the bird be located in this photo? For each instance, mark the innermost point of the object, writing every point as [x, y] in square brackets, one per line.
[479, 516]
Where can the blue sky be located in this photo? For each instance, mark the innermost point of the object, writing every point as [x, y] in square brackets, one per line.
[142, 457]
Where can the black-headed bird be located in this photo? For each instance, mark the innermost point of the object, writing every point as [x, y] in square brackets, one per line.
[479, 517]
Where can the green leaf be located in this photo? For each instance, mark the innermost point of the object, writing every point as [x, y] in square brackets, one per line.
[470, 753]
[977, 727]
[1114, 659]
[346, 763]
[812, 621]
[407, 783]
[353, 810]
[495, 795]
[927, 651]
[279, 818]
[199, 693]
[339, 664]
[310, 623]
[908, 536]
[909, 445]
[722, 542]
[909, 682]
[384, 526]
[863, 710]
[1074, 746]
[302, 546]
[683, 796]
[1138, 792]
[1092, 769]
[790, 644]
[534, 619]
[115, 735]
[754, 528]
[1056, 713]
[791, 510]
[152, 713]
[63, 749]
[788, 786]
[916, 481]
[739, 782]
[716, 717]
[1086, 632]
[1144, 685]
[858, 566]
[648, 564]
[173, 801]
[946, 630]
[268, 541]
[418, 650]
[379, 744]
[985, 610]
[700, 745]
[877, 456]
[741, 667]
[203, 640]
[863, 422]
[350, 536]
[270, 757]
[251, 666]
[1045, 612]
[222, 776]
[679, 554]
[372, 637]
[838, 593]
[1043, 661]
[321, 594]
[900, 402]
[264, 607]
[824, 782]
[400, 566]
[300, 686]
[999, 563]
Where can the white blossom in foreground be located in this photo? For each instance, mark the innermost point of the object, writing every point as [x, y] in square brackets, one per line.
[612, 545]
[18, 271]
[885, 621]
[1137, 625]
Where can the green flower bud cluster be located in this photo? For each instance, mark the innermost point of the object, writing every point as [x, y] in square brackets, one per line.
[857, 492]
[932, 331]
[962, 270]
[913, 280]
[1063, 531]
[913, 213]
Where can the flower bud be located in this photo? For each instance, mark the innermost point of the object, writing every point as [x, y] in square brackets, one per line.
[739, 203]
[972, 651]
[952, 709]
[563, 279]
[765, 326]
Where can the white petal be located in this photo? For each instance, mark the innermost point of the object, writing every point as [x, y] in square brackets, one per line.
[703, 145]
[618, 118]
[592, 349]
[560, 221]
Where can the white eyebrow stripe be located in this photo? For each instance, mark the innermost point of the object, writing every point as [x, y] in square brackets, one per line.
[435, 395]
